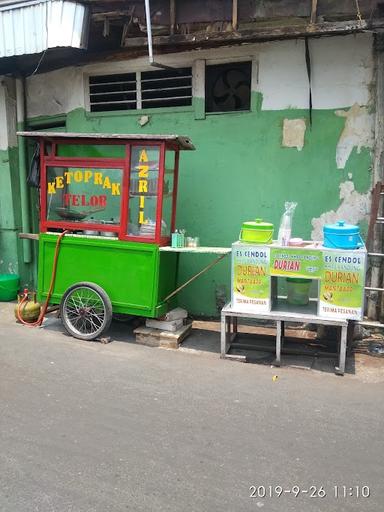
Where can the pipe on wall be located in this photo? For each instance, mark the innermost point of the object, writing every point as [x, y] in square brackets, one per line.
[150, 41]
[149, 31]
[22, 147]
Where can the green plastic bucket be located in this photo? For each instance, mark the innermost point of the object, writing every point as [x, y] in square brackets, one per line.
[298, 291]
[9, 286]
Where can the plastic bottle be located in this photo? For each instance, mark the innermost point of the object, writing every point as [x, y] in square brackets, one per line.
[285, 228]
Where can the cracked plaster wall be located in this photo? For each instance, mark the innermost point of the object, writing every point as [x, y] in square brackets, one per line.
[358, 132]
[354, 207]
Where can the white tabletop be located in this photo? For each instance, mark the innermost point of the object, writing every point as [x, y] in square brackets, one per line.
[296, 314]
[197, 250]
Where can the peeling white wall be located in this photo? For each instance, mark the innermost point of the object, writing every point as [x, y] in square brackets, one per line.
[8, 136]
[57, 92]
[283, 77]
[353, 208]
[3, 118]
[342, 70]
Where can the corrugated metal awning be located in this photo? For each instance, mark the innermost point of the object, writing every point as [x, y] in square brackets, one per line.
[182, 141]
[34, 26]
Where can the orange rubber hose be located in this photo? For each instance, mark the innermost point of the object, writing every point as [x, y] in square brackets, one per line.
[39, 321]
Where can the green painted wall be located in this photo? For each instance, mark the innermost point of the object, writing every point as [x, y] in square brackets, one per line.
[240, 171]
[9, 220]
[11, 253]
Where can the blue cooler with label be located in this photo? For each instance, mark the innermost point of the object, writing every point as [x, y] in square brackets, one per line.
[342, 236]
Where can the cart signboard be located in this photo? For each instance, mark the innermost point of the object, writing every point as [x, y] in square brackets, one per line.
[342, 284]
[296, 262]
[250, 277]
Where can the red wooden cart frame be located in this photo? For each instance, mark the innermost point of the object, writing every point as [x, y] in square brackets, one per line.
[124, 164]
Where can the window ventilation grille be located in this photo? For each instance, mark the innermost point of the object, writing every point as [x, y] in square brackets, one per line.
[154, 89]
[166, 88]
[113, 92]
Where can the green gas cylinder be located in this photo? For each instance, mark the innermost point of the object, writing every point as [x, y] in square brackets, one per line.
[30, 309]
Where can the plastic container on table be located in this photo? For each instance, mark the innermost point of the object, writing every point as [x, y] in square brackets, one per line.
[256, 232]
[9, 286]
[296, 242]
[342, 236]
[298, 291]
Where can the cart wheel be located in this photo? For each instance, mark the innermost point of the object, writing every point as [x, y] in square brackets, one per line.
[86, 311]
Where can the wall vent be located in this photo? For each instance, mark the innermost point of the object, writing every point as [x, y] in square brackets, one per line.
[113, 92]
[149, 89]
[166, 88]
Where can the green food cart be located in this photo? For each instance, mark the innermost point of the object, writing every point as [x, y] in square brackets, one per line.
[107, 206]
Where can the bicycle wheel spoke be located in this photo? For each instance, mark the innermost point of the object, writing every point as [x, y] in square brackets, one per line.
[83, 326]
[95, 327]
[75, 301]
[73, 310]
[96, 321]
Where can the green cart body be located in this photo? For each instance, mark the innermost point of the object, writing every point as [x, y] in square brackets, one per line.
[136, 276]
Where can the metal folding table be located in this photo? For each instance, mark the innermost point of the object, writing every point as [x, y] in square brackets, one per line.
[229, 318]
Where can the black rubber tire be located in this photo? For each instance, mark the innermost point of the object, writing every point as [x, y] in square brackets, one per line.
[107, 305]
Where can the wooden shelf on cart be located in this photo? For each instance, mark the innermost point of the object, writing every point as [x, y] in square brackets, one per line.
[29, 236]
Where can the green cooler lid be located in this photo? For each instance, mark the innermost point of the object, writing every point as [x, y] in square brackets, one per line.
[257, 224]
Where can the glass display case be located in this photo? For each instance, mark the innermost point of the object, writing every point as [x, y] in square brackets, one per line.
[130, 194]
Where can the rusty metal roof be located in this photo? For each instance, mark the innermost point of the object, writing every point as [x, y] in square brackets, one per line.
[33, 26]
[182, 141]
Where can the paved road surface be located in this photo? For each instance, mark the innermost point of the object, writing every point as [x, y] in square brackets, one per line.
[119, 427]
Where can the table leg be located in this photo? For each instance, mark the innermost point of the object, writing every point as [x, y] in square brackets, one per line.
[228, 325]
[339, 370]
[278, 343]
[235, 325]
[282, 333]
[350, 331]
[223, 335]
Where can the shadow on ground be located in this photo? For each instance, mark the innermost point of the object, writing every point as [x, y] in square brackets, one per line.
[257, 344]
